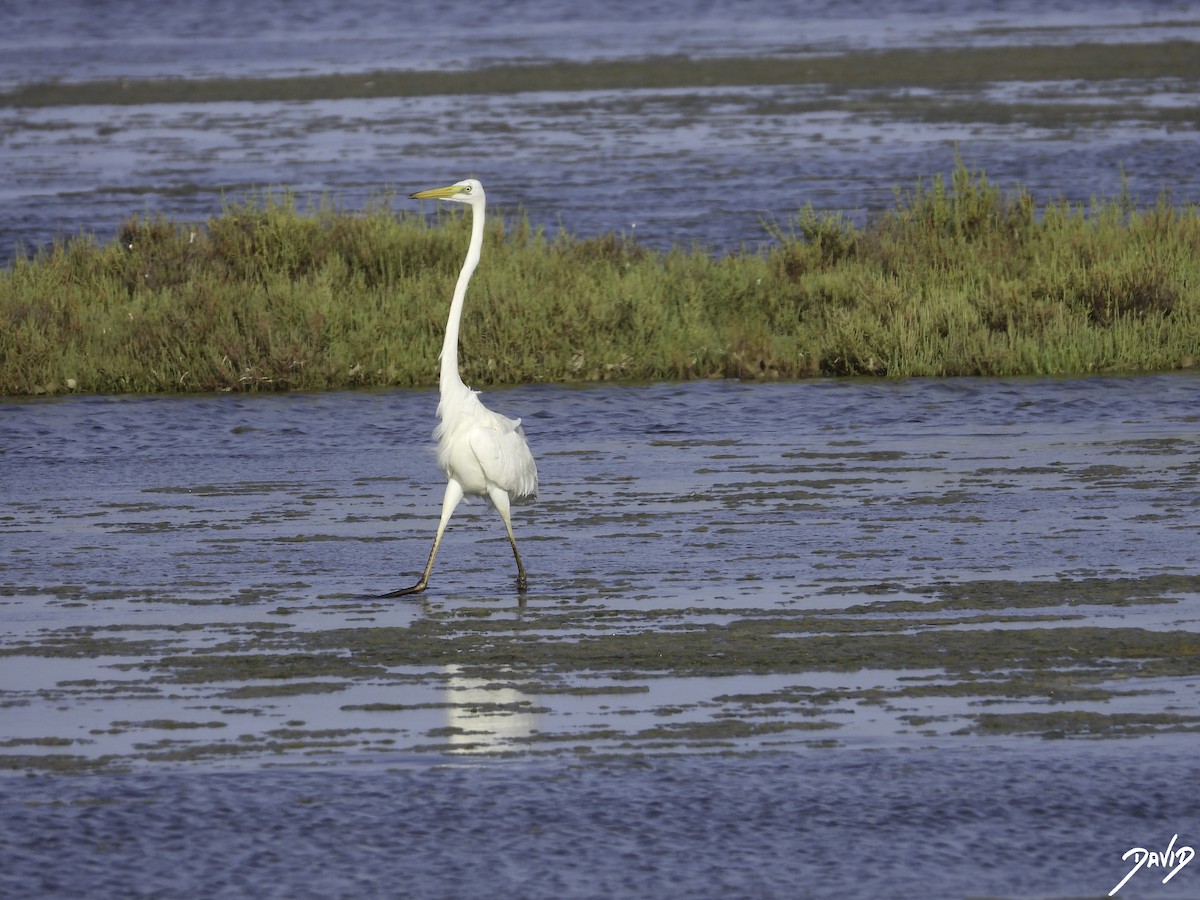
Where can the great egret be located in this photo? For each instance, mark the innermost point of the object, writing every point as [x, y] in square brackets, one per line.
[481, 452]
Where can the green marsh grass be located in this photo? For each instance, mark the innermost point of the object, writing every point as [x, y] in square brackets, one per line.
[958, 278]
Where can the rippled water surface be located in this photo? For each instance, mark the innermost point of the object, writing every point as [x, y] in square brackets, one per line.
[709, 164]
[820, 639]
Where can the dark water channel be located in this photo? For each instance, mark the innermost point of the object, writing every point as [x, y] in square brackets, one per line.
[929, 638]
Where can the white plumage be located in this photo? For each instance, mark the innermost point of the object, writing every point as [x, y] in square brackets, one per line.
[482, 452]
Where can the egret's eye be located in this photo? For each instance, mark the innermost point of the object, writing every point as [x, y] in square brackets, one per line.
[466, 189]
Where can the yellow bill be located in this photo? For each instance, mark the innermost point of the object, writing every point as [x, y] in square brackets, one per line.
[441, 193]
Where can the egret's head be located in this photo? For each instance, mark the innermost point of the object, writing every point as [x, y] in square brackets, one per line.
[469, 191]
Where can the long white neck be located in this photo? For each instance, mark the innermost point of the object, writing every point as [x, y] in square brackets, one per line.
[450, 379]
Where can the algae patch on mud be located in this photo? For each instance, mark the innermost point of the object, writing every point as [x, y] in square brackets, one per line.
[991, 660]
[861, 71]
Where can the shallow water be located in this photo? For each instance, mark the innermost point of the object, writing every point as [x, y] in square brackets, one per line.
[790, 487]
[820, 639]
[1028, 823]
[713, 165]
[69, 41]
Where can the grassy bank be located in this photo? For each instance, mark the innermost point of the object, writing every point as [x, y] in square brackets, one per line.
[959, 278]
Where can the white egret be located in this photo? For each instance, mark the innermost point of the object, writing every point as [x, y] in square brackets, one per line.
[482, 453]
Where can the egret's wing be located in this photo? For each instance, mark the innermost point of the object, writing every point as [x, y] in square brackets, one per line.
[499, 444]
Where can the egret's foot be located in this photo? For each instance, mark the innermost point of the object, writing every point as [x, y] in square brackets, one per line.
[403, 592]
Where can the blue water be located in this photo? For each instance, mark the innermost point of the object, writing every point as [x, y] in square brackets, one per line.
[1028, 824]
[80, 40]
[184, 489]
[711, 166]
[231, 522]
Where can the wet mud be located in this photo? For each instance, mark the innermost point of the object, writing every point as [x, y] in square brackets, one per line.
[934, 68]
[926, 564]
